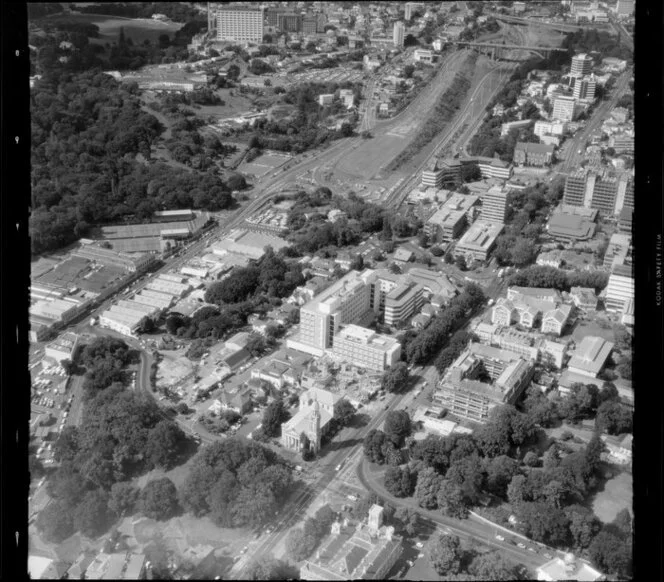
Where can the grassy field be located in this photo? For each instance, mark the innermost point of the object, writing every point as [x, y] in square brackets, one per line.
[616, 495]
[109, 27]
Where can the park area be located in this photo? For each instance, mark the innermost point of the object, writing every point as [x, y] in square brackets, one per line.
[138, 29]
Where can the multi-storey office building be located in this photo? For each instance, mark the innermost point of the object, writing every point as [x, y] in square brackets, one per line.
[582, 65]
[607, 194]
[398, 34]
[494, 205]
[366, 349]
[564, 108]
[584, 88]
[463, 395]
[240, 24]
[346, 301]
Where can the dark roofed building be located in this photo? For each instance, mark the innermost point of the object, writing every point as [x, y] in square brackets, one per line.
[533, 154]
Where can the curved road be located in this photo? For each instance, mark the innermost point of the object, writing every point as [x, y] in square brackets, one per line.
[471, 527]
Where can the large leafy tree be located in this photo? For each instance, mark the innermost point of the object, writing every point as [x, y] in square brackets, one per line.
[450, 500]
[91, 516]
[426, 490]
[611, 554]
[445, 554]
[399, 482]
[123, 498]
[492, 566]
[273, 417]
[159, 499]
[55, 522]
[164, 443]
[396, 378]
[398, 426]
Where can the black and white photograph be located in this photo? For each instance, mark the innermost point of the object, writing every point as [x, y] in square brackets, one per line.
[333, 290]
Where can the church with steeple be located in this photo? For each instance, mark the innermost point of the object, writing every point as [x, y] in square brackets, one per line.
[312, 420]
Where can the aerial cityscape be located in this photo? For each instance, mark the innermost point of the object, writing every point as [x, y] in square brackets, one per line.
[331, 290]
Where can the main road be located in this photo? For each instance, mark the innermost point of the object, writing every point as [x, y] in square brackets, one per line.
[472, 527]
[305, 495]
[578, 142]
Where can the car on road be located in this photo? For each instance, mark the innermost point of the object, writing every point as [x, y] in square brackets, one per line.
[419, 545]
[533, 550]
[500, 538]
[244, 550]
[521, 545]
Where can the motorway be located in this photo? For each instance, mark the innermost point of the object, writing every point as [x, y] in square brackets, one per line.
[573, 158]
[467, 116]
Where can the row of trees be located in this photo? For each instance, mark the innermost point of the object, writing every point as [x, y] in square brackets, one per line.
[552, 278]
[301, 542]
[446, 106]
[421, 347]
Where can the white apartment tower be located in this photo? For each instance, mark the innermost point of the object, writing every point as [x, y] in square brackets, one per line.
[494, 205]
[240, 24]
[398, 34]
[346, 301]
[563, 108]
[582, 65]
[584, 88]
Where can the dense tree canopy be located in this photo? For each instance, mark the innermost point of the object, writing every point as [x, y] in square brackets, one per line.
[236, 482]
[86, 132]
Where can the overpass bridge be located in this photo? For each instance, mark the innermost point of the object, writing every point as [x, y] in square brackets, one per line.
[497, 50]
[560, 26]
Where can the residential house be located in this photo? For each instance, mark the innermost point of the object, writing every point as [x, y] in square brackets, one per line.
[420, 321]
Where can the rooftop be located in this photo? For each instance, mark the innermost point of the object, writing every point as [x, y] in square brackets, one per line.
[591, 354]
[481, 235]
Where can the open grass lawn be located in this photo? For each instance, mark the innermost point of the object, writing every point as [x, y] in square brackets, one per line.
[136, 29]
[585, 328]
[616, 495]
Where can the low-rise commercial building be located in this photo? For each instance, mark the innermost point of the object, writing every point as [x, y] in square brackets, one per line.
[568, 568]
[620, 288]
[570, 228]
[505, 128]
[64, 347]
[479, 240]
[590, 356]
[495, 169]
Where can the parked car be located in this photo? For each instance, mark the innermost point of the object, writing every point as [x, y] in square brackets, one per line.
[521, 545]
[500, 538]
